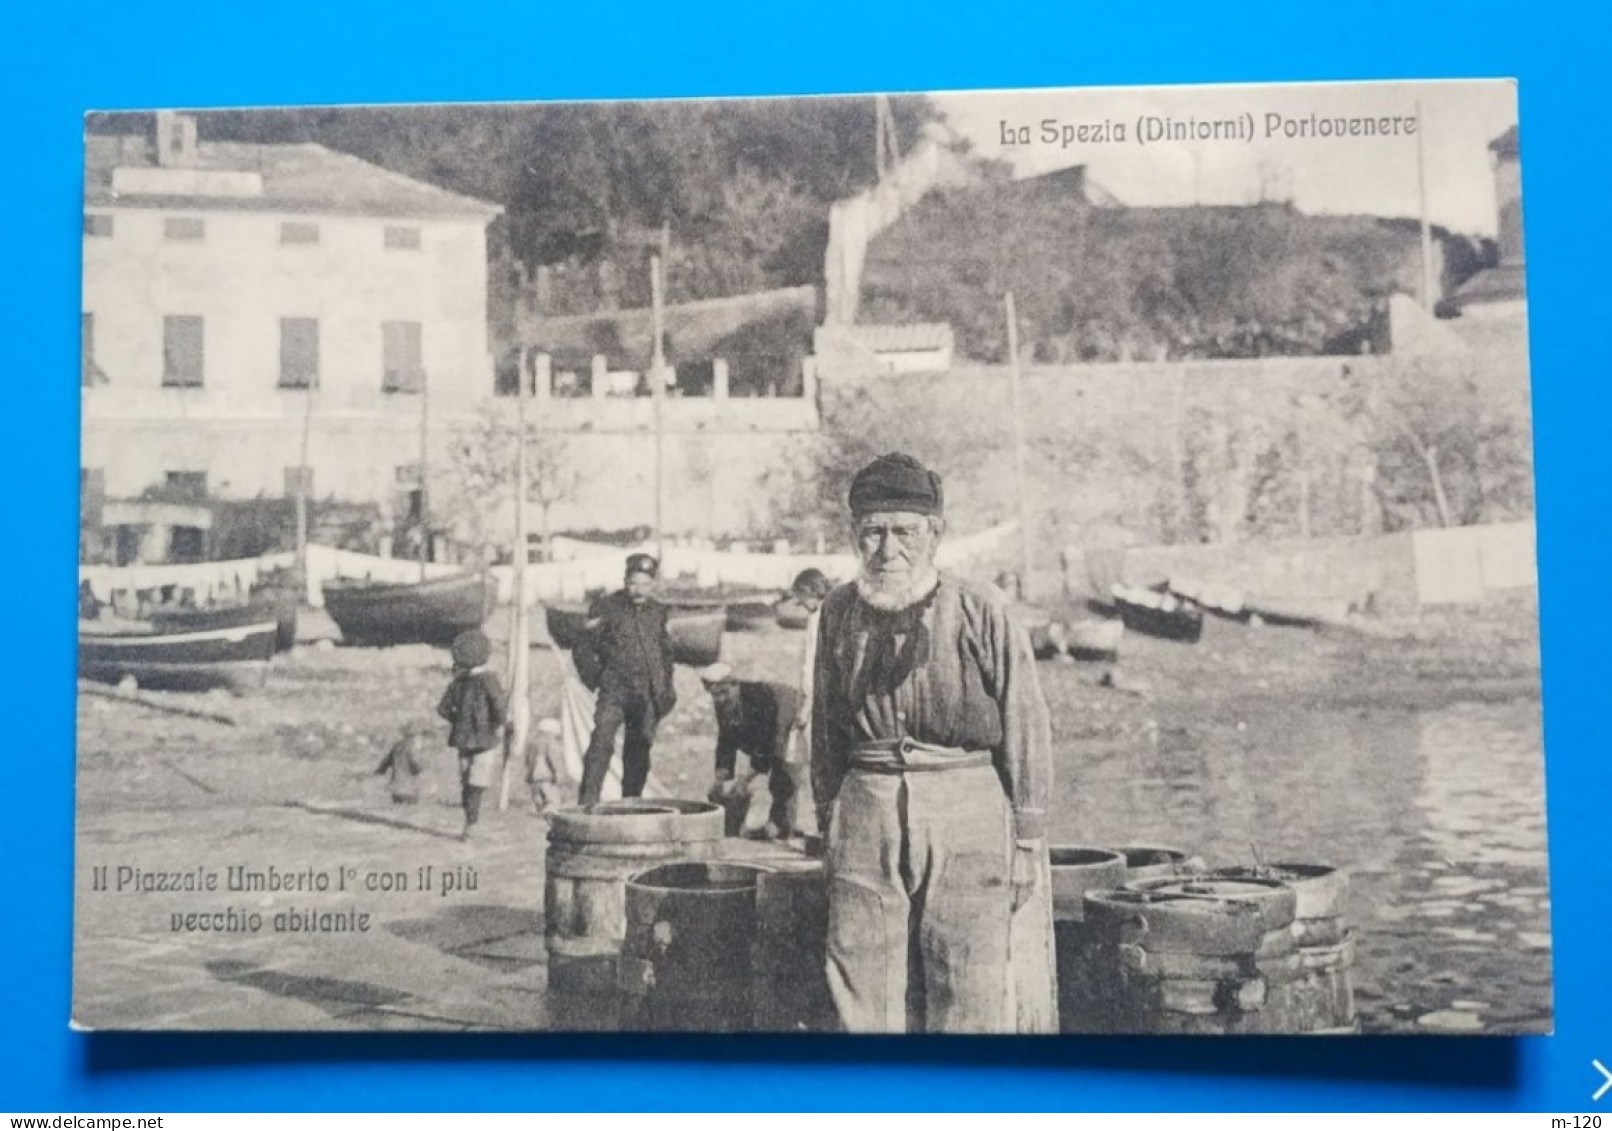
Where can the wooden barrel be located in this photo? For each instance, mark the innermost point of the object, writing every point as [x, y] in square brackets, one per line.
[1275, 901]
[790, 613]
[686, 961]
[753, 614]
[1321, 998]
[1077, 870]
[1195, 955]
[697, 635]
[592, 852]
[567, 623]
[1085, 987]
[1154, 862]
[1322, 891]
[790, 962]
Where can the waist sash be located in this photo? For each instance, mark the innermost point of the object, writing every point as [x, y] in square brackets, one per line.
[909, 756]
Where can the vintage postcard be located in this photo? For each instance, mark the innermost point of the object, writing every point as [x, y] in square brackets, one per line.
[1034, 561]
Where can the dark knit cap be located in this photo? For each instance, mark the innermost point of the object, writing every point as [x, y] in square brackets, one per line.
[471, 648]
[896, 482]
[642, 563]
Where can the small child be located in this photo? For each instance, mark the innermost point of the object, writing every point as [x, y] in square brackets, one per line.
[402, 761]
[476, 711]
[545, 766]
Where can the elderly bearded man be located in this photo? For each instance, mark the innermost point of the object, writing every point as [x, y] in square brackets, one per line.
[931, 767]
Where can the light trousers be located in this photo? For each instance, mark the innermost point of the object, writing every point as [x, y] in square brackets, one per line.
[920, 902]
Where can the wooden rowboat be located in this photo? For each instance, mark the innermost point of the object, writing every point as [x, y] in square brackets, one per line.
[429, 612]
[1158, 614]
[279, 605]
[178, 661]
[1093, 639]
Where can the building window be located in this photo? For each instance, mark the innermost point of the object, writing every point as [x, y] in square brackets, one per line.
[184, 228]
[298, 481]
[182, 351]
[187, 545]
[402, 239]
[299, 231]
[410, 499]
[299, 353]
[188, 486]
[92, 373]
[97, 224]
[401, 371]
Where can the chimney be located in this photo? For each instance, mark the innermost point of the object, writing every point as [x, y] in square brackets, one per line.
[176, 140]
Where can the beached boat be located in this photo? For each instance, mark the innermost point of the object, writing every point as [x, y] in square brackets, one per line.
[1297, 612]
[279, 605]
[426, 612]
[179, 661]
[1223, 600]
[1093, 639]
[1158, 614]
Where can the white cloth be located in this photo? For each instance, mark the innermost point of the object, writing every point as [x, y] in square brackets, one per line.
[801, 752]
[576, 730]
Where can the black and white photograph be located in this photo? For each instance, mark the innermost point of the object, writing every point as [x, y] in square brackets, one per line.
[1045, 561]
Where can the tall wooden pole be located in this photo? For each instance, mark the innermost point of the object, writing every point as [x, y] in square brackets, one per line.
[520, 695]
[425, 498]
[657, 382]
[1421, 193]
[302, 497]
[1022, 485]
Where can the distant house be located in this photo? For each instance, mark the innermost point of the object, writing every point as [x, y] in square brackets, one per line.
[752, 345]
[919, 347]
[1498, 292]
[239, 297]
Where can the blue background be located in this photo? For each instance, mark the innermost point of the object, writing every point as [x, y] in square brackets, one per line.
[59, 63]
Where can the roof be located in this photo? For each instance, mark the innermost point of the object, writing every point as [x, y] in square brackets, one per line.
[1072, 182]
[909, 338]
[303, 177]
[1506, 144]
[695, 331]
[1494, 284]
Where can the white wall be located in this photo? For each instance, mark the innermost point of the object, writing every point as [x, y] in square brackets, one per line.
[241, 280]
[245, 432]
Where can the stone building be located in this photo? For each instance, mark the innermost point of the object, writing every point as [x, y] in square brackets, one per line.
[250, 310]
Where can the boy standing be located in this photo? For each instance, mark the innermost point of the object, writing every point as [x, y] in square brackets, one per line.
[477, 713]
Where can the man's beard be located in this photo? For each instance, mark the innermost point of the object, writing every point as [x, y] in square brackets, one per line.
[893, 592]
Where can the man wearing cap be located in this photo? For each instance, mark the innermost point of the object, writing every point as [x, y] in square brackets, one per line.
[756, 719]
[628, 631]
[931, 766]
